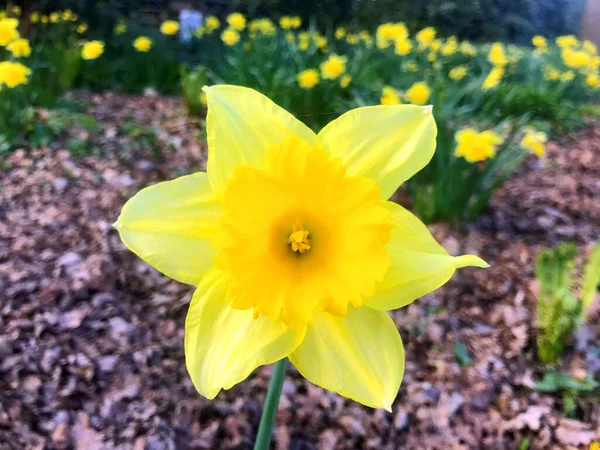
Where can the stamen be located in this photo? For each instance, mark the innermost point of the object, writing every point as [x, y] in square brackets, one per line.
[299, 238]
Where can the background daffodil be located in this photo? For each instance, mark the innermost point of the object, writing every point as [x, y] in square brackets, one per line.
[292, 245]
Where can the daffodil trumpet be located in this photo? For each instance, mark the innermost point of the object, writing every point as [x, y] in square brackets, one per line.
[292, 246]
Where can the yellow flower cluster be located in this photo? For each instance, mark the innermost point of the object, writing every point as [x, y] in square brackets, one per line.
[388, 33]
[290, 22]
[263, 26]
[55, 17]
[417, 94]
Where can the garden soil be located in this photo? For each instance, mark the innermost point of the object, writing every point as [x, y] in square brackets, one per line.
[91, 338]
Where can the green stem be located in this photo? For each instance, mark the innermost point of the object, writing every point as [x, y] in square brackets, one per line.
[267, 420]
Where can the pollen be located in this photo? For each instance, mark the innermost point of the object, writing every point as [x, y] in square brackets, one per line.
[298, 239]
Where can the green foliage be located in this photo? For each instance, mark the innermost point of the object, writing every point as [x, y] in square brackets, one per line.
[571, 388]
[509, 20]
[559, 312]
[462, 355]
[591, 280]
[141, 138]
[192, 83]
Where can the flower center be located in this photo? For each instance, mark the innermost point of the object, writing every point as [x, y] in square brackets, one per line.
[300, 236]
[298, 239]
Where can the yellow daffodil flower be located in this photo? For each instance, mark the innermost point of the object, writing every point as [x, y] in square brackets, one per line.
[333, 67]
[212, 23]
[496, 56]
[593, 80]
[345, 81]
[8, 31]
[292, 246]
[285, 22]
[304, 42]
[493, 79]
[450, 47]
[13, 74]
[426, 36]
[308, 79]
[19, 48]
[402, 46]
[264, 26]
[467, 49]
[458, 72]
[230, 36]
[120, 28]
[567, 41]
[389, 96]
[82, 28]
[418, 93]
[411, 66]
[390, 32]
[92, 49]
[567, 76]
[474, 146]
[237, 21]
[551, 73]
[340, 33]
[296, 22]
[142, 44]
[539, 41]
[169, 27]
[575, 58]
[535, 142]
[320, 41]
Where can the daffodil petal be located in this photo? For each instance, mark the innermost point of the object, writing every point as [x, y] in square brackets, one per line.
[419, 264]
[241, 123]
[359, 356]
[170, 226]
[224, 345]
[386, 143]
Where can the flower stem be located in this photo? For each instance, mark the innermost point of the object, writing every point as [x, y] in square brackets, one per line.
[267, 420]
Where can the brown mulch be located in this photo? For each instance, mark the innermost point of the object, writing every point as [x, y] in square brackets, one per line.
[91, 338]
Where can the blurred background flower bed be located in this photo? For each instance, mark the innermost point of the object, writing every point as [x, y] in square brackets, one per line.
[99, 101]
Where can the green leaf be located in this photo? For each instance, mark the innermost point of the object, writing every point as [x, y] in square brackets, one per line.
[554, 381]
[461, 353]
[591, 278]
